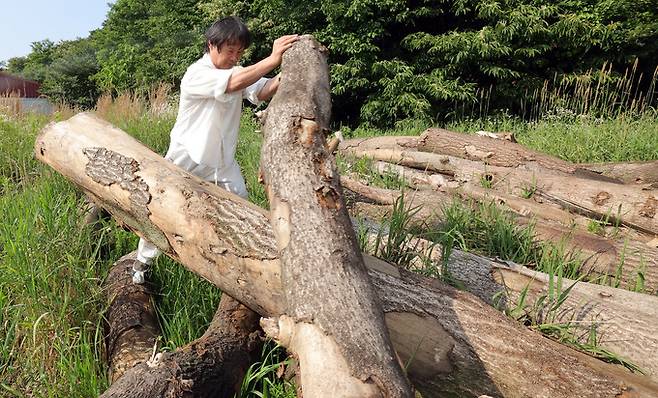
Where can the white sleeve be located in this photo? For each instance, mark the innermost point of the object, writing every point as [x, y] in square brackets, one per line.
[203, 82]
[251, 92]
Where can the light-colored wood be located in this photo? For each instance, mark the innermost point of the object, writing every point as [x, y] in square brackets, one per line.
[641, 173]
[230, 242]
[624, 321]
[510, 168]
[333, 319]
[627, 260]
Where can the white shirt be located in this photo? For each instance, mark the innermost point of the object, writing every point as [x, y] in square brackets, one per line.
[208, 118]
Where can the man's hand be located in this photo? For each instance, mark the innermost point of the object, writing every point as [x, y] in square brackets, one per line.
[249, 75]
[281, 45]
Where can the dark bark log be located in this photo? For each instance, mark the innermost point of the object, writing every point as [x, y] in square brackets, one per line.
[230, 242]
[211, 366]
[132, 325]
[325, 283]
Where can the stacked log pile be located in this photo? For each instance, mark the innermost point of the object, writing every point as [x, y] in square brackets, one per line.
[562, 198]
[377, 319]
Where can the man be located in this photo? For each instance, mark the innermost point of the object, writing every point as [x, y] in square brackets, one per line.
[204, 137]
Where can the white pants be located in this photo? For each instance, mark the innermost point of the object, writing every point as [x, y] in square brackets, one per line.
[230, 178]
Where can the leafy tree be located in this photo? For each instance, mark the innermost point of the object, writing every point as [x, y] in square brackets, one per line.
[144, 42]
[393, 59]
[390, 60]
[65, 70]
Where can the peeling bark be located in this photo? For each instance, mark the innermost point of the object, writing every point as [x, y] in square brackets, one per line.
[330, 306]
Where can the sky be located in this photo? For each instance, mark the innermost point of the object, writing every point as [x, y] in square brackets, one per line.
[23, 22]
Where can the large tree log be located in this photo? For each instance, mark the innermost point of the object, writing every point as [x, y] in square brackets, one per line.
[623, 320]
[643, 173]
[627, 205]
[496, 152]
[132, 325]
[468, 348]
[621, 259]
[327, 292]
[396, 149]
[211, 366]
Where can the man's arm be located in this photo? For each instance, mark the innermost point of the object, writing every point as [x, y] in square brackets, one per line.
[247, 76]
[269, 89]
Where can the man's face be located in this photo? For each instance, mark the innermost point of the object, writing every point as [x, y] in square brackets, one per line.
[226, 56]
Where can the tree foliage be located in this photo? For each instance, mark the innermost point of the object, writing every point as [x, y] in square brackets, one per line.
[66, 70]
[390, 59]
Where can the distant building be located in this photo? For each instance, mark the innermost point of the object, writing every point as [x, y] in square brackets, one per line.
[11, 85]
[21, 95]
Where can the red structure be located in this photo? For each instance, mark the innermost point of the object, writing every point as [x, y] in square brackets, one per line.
[14, 85]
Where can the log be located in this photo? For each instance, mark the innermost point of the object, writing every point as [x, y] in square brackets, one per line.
[395, 149]
[230, 242]
[330, 305]
[623, 320]
[211, 366]
[622, 259]
[132, 326]
[643, 173]
[497, 152]
[632, 206]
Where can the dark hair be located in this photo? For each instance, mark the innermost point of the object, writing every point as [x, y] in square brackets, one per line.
[229, 29]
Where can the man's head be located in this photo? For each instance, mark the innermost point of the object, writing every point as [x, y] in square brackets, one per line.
[226, 40]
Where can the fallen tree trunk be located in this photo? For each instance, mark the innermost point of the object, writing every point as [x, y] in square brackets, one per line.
[497, 152]
[467, 348]
[330, 304]
[211, 366]
[132, 325]
[620, 204]
[623, 321]
[627, 261]
[393, 149]
[643, 173]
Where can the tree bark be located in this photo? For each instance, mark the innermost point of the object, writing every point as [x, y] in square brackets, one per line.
[132, 325]
[211, 366]
[623, 320]
[330, 305]
[230, 242]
